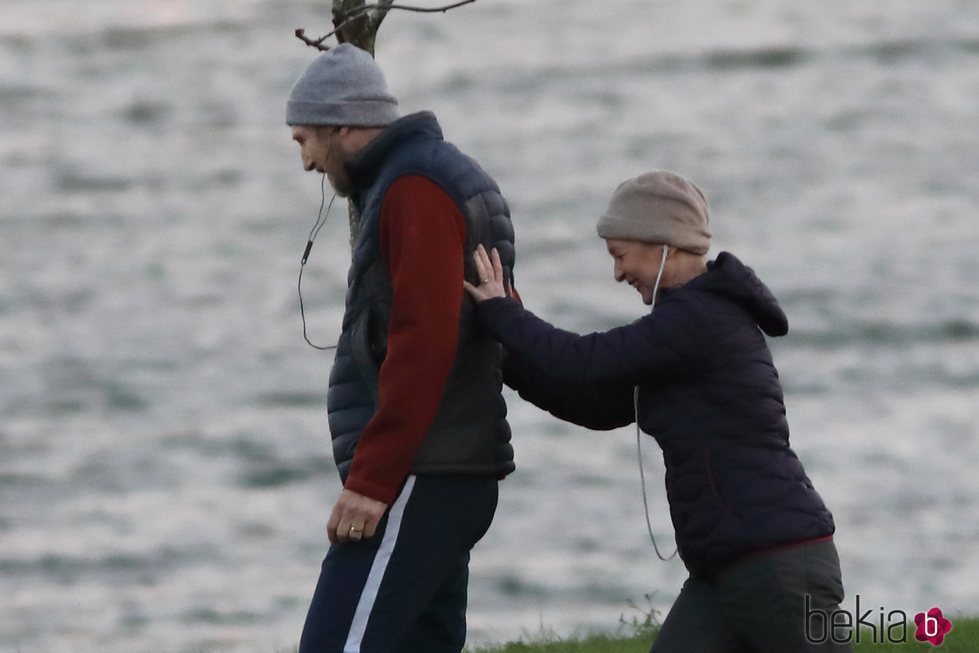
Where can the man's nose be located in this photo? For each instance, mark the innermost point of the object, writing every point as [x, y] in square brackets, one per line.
[617, 272]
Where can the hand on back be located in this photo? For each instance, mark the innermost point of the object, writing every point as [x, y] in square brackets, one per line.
[490, 274]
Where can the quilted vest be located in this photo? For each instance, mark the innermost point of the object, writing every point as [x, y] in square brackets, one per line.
[469, 434]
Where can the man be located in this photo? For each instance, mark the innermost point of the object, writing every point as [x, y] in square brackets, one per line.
[415, 411]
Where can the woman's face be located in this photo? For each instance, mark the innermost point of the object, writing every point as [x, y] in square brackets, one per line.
[638, 264]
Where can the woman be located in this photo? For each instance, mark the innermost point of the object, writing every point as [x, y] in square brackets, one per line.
[751, 530]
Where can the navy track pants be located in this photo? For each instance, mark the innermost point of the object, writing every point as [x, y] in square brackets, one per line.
[405, 589]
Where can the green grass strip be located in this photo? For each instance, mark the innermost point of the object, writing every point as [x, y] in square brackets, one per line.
[964, 638]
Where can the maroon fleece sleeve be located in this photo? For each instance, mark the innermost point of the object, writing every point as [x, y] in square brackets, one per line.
[421, 237]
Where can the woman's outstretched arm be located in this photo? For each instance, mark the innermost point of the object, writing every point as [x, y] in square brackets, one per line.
[649, 350]
[595, 406]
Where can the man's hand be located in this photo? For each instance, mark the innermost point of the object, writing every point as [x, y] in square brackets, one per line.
[354, 517]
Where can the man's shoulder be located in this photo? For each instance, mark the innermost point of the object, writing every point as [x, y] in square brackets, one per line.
[445, 167]
[420, 191]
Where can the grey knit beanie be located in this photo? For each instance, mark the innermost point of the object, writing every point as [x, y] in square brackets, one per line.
[659, 207]
[344, 86]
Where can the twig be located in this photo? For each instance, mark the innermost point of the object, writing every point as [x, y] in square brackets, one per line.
[318, 43]
[422, 10]
[301, 35]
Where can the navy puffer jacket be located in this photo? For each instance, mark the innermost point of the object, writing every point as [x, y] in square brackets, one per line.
[708, 392]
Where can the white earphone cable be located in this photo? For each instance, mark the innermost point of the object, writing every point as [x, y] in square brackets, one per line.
[635, 407]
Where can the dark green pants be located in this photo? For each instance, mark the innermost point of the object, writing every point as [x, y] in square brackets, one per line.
[759, 604]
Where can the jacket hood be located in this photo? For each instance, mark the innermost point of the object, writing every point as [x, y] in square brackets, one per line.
[730, 278]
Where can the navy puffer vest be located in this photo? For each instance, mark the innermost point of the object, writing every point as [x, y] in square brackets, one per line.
[470, 434]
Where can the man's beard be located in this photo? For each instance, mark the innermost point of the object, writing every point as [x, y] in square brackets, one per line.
[342, 187]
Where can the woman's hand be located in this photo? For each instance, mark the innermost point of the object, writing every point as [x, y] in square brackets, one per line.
[490, 275]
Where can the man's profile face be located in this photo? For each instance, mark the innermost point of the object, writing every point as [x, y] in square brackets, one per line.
[314, 146]
[322, 149]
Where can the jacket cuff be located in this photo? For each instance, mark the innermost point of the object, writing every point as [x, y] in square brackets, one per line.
[489, 308]
[490, 311]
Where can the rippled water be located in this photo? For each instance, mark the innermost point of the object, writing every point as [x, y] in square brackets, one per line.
[164, 463]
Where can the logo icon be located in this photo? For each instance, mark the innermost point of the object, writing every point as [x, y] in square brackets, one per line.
[932, 626]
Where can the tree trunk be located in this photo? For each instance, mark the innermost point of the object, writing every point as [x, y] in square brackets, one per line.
[361, 32]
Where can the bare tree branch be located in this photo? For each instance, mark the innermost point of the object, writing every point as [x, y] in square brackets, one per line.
[423, 10]
[373, 14]
[301, 35]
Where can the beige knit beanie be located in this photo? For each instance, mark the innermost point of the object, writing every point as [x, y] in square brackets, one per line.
[659, 207]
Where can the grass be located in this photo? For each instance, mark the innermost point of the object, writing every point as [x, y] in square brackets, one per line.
[640, 632]
[589, 644]
[636, 634]
[964, 638]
